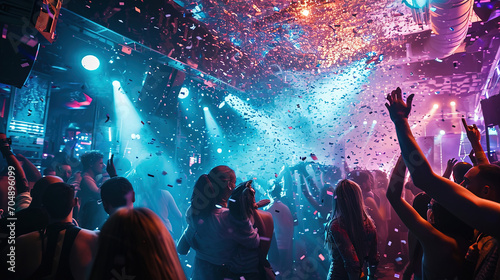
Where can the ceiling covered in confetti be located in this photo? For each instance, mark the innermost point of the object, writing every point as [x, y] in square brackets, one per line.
[284, 79]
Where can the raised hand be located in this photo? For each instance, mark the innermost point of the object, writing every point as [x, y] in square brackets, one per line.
[398, 109]
[449, 168]
[452, 162]
[473, 134]
[110, 167]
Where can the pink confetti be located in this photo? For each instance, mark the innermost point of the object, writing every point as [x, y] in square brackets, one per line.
[303, 256]
[321, 257]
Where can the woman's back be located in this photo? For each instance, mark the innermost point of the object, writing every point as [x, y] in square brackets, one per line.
[345, 260]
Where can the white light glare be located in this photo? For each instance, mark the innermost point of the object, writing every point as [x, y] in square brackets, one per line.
[219, 150]
[442, 132]
[305, 12]
[205, 108]
[183, 93]
[116, 83]
[435, 106]
[453, 103]
[90, 62]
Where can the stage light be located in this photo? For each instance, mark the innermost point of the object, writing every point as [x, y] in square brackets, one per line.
[133, 136]
[374, 122]
[137, 136]
[219, 150]
[305, 12]
[442, 132]
[453, 103]
[365, 122]
[205, 108]
[90, 62]
[222, 104]
[435, 106]
[183, 93]
[116, 84]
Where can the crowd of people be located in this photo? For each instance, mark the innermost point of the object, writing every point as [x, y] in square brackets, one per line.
[81, 220]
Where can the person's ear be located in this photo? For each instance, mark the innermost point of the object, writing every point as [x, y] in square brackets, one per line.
[133, 196]
[430, 216]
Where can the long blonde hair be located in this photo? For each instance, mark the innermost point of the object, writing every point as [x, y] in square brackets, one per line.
[351, 213]
[134, 242]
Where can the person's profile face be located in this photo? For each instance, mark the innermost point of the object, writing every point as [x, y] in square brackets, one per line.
[98, 166]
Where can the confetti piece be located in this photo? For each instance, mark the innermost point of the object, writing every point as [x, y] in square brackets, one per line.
[150, 175]
[164, 173]
[107, 118]
[170, 186]
[321, 257]
[303, 256]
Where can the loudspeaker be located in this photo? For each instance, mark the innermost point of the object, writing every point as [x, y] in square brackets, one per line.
[490, 110]
[21, 24]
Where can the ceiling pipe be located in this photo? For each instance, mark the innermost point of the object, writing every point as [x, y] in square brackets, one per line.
[449, 22]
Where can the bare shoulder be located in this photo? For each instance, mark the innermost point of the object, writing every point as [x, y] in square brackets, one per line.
[88, 235]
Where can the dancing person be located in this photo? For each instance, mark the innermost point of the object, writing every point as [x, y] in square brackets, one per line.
[134, 244]
[251, 264]
[444, 238]
[212, 232]
[477, 204]
[92, 215]
[351, 235]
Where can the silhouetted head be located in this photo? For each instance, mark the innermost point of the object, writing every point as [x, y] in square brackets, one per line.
[39, 189]
[212, 190]
[117, 192]
[363, 178]
[93, 161]
[459, 171]
[59, 200]
[484, 181]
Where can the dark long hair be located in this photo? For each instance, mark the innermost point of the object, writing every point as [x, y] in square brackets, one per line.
[212, 190]
[351, 213]
[242, 201]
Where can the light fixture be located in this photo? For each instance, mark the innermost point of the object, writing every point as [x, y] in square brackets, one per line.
[116, 83]
[453, 103]
[219, 150]
[435, 106]
[442, 132]
[205, 108]
[374, 122]
[183, 93]
[90, 62]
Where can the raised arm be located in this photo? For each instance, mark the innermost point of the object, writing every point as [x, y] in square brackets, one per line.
[479, 213]
[474, 136]
[422, 229]
[32, 173]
